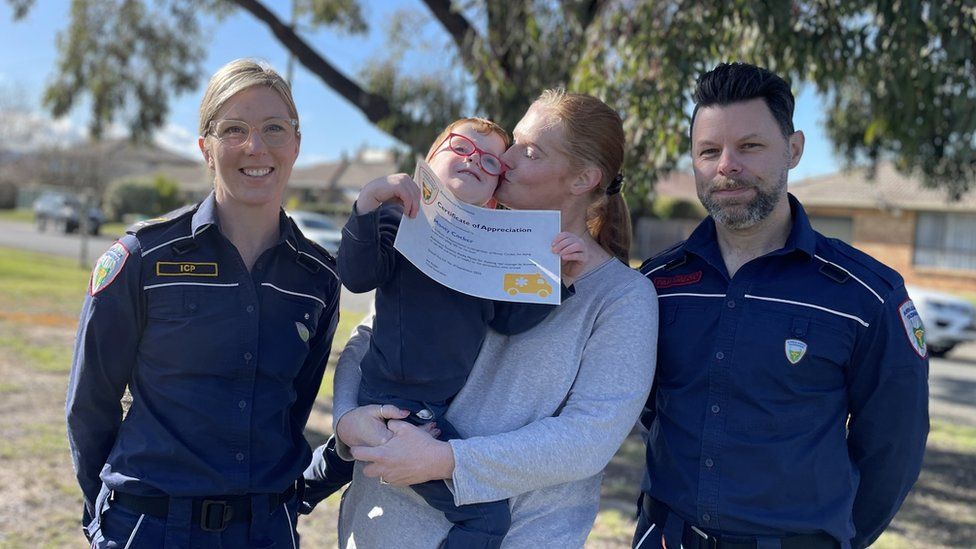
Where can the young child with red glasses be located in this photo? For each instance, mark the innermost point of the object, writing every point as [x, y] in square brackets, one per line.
[427, 336]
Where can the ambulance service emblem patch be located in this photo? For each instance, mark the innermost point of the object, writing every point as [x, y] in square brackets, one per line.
[795, 349]
[913, 327]
[108, 267]
[302, 331]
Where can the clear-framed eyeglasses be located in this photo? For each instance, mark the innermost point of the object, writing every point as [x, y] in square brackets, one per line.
[464, 147]
[275, 132]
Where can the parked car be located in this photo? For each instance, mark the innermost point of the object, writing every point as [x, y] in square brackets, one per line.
[319, 228]
[948, 320]
[62, 212]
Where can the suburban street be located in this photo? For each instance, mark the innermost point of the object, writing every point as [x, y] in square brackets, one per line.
[952, 381]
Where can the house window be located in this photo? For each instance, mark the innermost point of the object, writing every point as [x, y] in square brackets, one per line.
[946, 240]
[834, 227]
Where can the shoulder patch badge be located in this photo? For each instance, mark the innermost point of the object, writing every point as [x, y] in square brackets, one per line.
[795, 349]
[913, 327]
[108, 267]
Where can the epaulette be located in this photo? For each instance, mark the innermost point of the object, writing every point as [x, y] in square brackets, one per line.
[315, 245]
[661, 254]
[161, 221]
[318, 247]
[868, 263]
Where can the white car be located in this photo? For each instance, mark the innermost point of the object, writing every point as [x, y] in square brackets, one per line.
[948, 320]
[319, 228]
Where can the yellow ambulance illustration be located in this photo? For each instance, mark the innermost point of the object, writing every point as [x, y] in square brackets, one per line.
[527, 283]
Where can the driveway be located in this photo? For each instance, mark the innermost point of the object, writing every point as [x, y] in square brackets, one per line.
[952, 386]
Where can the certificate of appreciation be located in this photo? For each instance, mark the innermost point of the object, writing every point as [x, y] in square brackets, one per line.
[503, 255]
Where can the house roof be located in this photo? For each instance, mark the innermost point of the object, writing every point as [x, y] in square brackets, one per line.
[346, 174]
[890, 189]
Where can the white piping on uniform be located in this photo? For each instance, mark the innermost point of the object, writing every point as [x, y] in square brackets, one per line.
[644, 537]
[132, 536]
[201, 228]
[290, 529]
[289, 292]
[658, 268]
[154, 248]
[314, 258]
[689, 295]
[852, 276]
[811, 305]
[151, 286]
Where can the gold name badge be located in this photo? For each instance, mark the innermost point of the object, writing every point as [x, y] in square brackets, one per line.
[173, 268]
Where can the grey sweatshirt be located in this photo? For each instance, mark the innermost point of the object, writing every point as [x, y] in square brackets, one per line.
[542, 412]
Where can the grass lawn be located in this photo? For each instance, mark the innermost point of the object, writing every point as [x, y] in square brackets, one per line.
[40, 297]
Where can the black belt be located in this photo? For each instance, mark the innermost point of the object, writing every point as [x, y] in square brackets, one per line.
[213, 513]
[693, 537]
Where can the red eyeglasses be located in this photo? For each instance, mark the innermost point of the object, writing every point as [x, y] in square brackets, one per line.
[464, 147]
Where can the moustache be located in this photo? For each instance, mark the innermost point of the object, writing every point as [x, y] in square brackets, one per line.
[728, 184]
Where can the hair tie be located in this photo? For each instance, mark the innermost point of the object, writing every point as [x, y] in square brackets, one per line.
[615, 185]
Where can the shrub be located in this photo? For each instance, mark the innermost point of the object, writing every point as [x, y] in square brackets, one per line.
[666, 207]
[151, 198]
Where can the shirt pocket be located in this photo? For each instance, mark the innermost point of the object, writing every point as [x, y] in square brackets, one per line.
[289, 329]
[789, 366]
[191, 328]
[680, 352]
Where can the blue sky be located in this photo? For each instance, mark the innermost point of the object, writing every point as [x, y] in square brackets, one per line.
[331, 126]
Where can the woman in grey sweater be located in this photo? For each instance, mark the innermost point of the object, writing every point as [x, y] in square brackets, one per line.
[544, 411]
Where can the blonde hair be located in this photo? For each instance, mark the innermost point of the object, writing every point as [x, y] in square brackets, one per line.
[236, 76]
[481, 125]
[594, 136]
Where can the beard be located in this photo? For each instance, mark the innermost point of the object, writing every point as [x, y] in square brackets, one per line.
[742, 216]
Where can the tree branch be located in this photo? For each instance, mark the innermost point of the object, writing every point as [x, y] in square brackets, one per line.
[376, 108]
[468, 41]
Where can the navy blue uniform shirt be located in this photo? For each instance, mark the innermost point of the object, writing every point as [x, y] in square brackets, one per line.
[426, 336]
[223, 364]
[791, 398]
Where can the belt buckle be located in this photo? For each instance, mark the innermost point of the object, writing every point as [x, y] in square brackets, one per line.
[218, 510]
[707, 542]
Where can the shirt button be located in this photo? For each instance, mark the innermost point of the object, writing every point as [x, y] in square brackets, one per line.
[192, 306]
[240, 456]
[716, 409]
[247, 356]
[731, 304]
[720, 355]
[706, 517]
[709, 462]
[250, 308]
[241, 404]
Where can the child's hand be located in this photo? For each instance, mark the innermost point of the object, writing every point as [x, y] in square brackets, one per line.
[572, 252]
[399, 187]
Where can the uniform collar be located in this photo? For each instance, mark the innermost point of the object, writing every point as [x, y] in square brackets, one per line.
[703, 242]
[286, 231]
[206, 215]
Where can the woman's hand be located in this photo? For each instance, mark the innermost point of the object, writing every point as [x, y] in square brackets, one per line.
[399, 187]
[411, 456]
[366, 425]
[572, 252]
